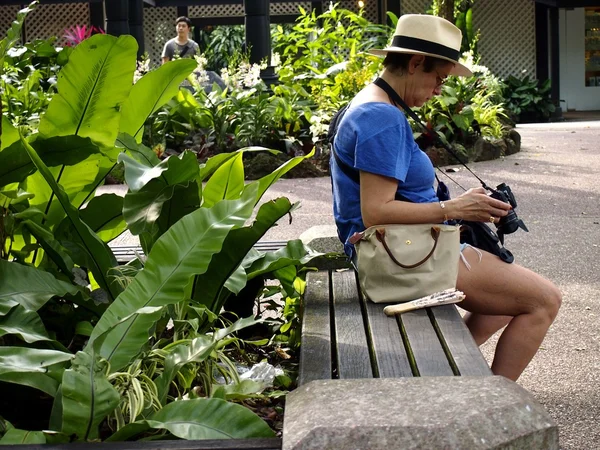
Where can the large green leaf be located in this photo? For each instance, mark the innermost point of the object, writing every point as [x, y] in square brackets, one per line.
[201, 419]
[210, 166]
[30, 367]
[73, 180]
[268, 180]
[87, 397]
[159, 196]
[91, 89]
[54, 249]
[29, 287]
[151, 92]
[173, 170]
[24, 323]
[226, 183]
[182, 252]
[294, 253]
[15, 437]
[16, 165]
[9, 136]
[104, 215]
[137, 151]
[142, 209]
[238, 243]
[99, 257]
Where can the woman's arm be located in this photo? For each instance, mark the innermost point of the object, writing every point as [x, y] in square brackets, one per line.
[379, 206]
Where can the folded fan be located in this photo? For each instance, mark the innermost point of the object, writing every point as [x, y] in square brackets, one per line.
[439, 298]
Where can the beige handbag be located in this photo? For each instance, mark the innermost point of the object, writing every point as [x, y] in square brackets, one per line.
[399, 263]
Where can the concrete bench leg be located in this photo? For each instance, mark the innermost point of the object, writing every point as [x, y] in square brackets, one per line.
[416, 413]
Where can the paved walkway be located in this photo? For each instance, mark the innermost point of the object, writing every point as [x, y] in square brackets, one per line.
[556, 180]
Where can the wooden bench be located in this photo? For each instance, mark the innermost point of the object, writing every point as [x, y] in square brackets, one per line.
[126, 253]
[344, 336]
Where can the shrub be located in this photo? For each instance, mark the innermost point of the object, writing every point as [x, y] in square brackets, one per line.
[468, 107]
[527, 99]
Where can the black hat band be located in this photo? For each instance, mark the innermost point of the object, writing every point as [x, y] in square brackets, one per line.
[421, 45]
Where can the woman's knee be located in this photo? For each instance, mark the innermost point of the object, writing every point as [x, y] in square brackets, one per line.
[549, 302]
[553, 301]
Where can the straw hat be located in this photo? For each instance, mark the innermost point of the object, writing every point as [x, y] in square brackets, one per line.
[422, 34]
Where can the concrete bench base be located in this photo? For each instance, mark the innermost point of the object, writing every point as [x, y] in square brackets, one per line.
[416, 413]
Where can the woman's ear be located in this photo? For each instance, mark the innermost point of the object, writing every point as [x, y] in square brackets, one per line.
[415, 62]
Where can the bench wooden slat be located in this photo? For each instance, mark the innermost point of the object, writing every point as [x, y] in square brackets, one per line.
[353, 359]
[315, 351]
[460, 342]
[428, 353]
[125, 253]
[390, 354]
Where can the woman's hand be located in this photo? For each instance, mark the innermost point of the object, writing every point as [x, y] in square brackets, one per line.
[477, 205]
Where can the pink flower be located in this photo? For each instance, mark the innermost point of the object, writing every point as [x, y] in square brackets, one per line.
[77, 34]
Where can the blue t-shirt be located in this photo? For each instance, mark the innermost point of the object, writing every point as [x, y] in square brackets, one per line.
[376, 138]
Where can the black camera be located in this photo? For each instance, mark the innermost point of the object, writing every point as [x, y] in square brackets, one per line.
[509, 223]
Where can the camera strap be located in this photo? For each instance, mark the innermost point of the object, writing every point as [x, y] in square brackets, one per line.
[398, 102]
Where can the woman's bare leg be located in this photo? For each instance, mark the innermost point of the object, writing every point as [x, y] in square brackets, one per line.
[495, 288]
[483, 326]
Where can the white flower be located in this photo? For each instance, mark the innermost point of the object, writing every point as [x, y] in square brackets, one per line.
[276, 60]
[317, 126]
[201, 77]
[468, 60]
[143, 67]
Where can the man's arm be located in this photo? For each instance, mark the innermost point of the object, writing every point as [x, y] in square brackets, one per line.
[168, 52]
[195, 49]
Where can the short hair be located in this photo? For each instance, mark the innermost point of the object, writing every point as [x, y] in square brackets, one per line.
[187, 21]
[398, 62]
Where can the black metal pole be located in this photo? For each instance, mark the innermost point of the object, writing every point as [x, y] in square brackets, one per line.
[542, 58]
[258, 36]
[117, 17]
[317, 7]
[97, 15]
[393, 6]
[136, 23]
[555, 61]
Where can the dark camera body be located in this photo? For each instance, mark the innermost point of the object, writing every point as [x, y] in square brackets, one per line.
[511, 222]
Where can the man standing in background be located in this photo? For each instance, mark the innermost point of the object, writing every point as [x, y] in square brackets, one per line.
[181, 46]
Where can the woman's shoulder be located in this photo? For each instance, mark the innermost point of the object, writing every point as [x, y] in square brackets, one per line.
[378, 112]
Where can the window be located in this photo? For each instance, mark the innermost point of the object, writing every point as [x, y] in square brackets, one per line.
[592, 46]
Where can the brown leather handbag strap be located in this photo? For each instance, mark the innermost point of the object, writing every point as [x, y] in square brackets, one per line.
[435, 234]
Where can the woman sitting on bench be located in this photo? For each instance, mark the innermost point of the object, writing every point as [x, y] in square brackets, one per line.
[375, 139]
